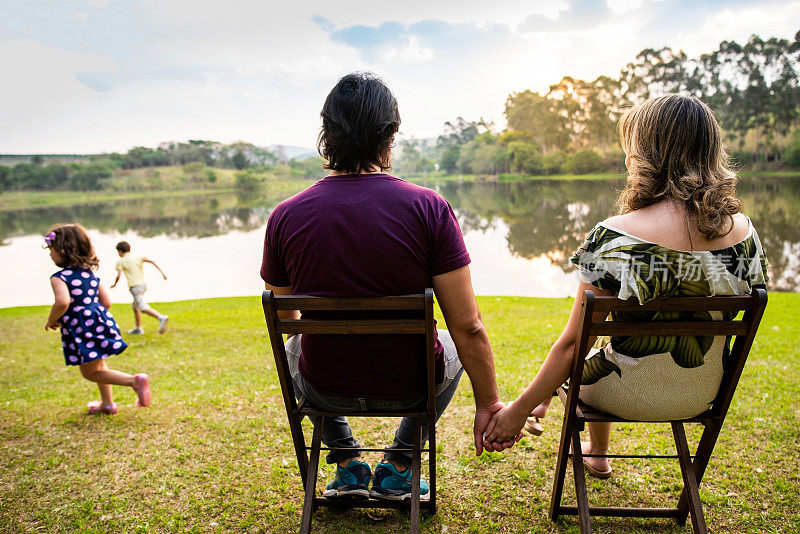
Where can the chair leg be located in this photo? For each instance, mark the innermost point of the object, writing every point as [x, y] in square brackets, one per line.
[311, 477]
[703, 456]
[561, 466]
[689, 478]
[416, 465]
[432, 465]
[580, 484]
[299, 441]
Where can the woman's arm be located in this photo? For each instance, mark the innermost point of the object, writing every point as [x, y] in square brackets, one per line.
[60, 305]
[554, 371]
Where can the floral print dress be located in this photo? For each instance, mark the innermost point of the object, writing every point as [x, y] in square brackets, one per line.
[661, 377]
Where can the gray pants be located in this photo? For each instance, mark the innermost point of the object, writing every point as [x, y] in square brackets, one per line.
[336, 431]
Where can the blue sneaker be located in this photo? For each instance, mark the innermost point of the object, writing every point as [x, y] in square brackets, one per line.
[393, 486]
[351, 481]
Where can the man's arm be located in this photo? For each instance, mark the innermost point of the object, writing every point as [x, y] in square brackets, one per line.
[148, 260]
[119, 273]
[460, 309]
[284, 314]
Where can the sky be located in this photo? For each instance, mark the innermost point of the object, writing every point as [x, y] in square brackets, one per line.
[88, 76]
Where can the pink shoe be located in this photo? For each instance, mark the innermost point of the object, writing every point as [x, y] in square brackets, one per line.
[97, 408]
[142, 389]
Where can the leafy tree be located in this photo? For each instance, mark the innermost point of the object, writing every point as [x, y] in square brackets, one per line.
[449, 159]
[540, 117]
[239, 160]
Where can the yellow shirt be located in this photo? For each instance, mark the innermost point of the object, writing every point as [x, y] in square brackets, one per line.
[132, 267]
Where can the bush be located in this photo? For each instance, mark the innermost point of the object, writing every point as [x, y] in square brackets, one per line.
[248, 181]
[583, 162]
[89, 177]
[614, 161]
[194, 170]
[5, 178]
[793, 153]
[526, 157]
[211, 175]
[553, 163]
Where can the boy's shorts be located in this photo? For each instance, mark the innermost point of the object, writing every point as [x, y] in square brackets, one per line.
[138, 297]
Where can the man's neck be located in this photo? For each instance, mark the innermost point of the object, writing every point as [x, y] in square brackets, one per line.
[372, 170]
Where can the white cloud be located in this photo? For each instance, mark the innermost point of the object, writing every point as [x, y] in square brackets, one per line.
[623, 6]
[412, 52]
[772, 19]
[260, 71]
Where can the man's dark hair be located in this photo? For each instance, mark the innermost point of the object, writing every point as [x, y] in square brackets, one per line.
[359, 121]
[123, 246]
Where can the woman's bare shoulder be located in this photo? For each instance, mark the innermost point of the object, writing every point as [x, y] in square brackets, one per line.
[741, 227]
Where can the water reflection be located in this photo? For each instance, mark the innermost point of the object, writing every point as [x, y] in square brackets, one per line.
[520, 235]
[546, 218]
[176, 217]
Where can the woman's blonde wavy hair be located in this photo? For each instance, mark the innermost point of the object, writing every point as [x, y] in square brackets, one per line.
[676, 151]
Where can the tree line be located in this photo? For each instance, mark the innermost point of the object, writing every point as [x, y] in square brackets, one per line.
[198, 158]
[754, 89]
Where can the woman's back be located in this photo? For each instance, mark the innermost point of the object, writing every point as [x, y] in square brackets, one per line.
[666, 223]
[649, 254]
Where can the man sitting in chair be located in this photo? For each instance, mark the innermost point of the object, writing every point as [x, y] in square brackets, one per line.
[359, 232]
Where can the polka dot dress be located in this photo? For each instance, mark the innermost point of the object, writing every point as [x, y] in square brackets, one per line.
[88, 330]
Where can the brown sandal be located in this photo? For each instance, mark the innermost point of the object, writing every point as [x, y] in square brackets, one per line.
[533, 426]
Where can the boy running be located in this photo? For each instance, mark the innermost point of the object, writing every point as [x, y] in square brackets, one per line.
[132, 267]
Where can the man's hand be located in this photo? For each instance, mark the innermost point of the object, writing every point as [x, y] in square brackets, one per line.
[164, 275]
[483, 414]
[112, 285]
[506, 424]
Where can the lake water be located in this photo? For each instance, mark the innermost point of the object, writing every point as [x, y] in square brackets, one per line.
[519, 236]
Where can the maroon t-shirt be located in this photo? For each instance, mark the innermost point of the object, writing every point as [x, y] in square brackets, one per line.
[363, 236]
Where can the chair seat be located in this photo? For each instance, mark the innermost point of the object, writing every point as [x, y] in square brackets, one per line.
[590, 414]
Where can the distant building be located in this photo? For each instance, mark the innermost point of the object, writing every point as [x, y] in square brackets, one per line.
[10, 160]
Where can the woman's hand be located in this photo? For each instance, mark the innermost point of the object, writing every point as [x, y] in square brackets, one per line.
[506, 424]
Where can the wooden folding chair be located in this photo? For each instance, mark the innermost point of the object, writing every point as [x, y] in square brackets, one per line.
[576, 413]
[308, 457]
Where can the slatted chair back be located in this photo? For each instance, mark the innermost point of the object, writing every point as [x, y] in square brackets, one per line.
[576, 414]
[422, 323]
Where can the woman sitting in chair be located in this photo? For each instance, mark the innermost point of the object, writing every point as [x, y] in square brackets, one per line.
[681, 233]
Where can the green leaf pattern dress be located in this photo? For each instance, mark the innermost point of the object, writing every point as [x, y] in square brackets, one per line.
[661, 377]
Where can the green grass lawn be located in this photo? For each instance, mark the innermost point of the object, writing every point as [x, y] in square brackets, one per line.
[213, 453]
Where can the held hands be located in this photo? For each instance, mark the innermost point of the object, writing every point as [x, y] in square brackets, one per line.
[483, 417]
[506, 424]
